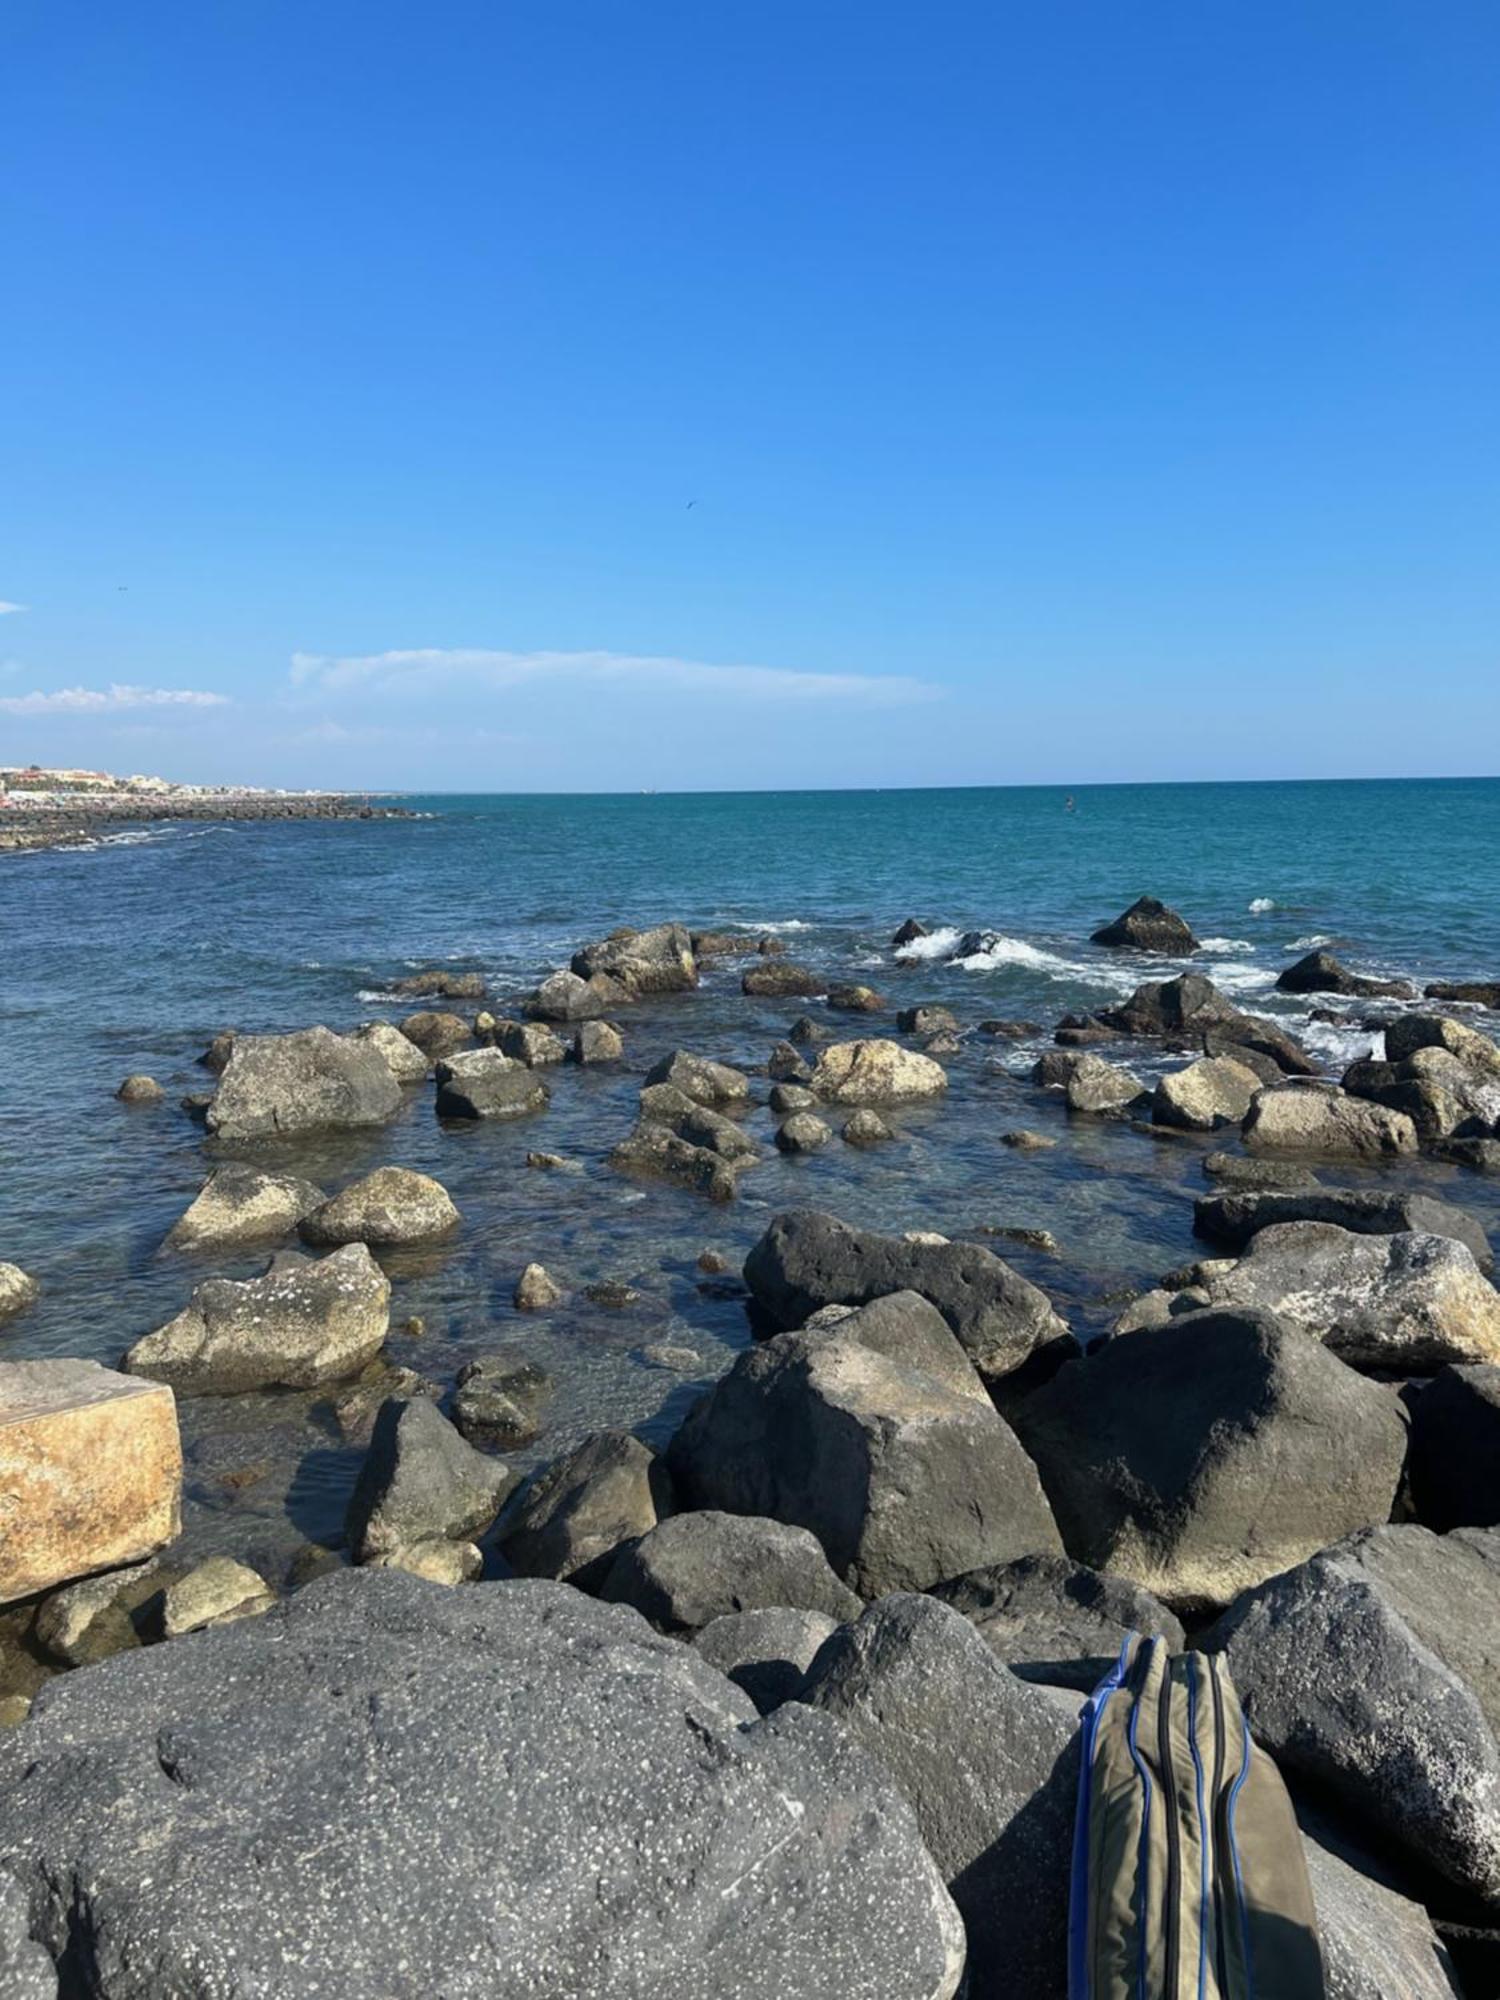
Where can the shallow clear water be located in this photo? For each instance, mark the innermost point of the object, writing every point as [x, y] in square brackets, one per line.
[131, 958]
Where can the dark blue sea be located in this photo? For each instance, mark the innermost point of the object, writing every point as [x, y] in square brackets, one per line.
[130, 954]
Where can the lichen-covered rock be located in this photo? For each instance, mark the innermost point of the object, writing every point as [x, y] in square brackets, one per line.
[160, 1812]
[596, 1042]
[1408, 1302]
[238, 1204]
[390, 1206]
[563, 996]
[306, 1322]
[485, 1083]
[781, 979]
[17, 1290]
[500, 1399]
[803, 1132]
[1309, 1118]
[1099, 1087]
[1410, 1032]
[139, 1089]
[694, 1568]
[1236, 1217]
[274, 1086]
[536, 1289]
[568, 1523]
[405, 1061]
[90, 1472]
[659, 960]
[712, 1083]
[436, 1032]
[876, 1072]
[1201, 1457]
[218, 1591]
[1214, 1091]
[421, 1480]
[877, 1436]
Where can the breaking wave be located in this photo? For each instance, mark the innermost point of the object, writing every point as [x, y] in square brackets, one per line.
[1259, 905]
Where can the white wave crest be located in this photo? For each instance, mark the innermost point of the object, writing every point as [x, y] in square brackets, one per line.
[1313, 943]
[786, 924]
[1016, 951]
[1339, 1046]
[1226, 944]
[937, 944]
[1259, 905]
[1232, 978]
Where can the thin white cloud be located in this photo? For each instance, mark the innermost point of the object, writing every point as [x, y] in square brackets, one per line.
[6, 606]
[428, 670]
[93, 701]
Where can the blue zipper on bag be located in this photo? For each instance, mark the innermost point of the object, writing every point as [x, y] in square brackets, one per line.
[1079, 1982]
[1247, 1750]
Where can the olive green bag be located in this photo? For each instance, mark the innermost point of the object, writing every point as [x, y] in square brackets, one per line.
[1189, 1881]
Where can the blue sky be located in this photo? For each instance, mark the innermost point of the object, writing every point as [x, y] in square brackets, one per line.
[592, 394]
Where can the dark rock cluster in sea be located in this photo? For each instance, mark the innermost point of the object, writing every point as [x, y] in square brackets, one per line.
[789, 1706]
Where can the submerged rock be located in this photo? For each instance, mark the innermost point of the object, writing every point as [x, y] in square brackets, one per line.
[781, 979]
[658, 1153]
[1371, 1669]
[1201, 1457]
[421, 1480]
[807, 1260]
[569, 1522]
[276, 1085]
[393, 1205]
[1148, 926]
[877, 1436]
[500, 1399]
[876, 1072]
[483, 1083]
[492, 1736]
[1049, 1619]
[694, 1568]
[305, 1322]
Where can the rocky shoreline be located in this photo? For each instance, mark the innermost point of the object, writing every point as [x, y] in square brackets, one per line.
[89, 818]
[789, 1706]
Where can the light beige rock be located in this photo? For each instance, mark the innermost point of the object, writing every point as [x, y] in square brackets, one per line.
[1314, 1118]
[1215, 1091]
[876, 1072]
[438, 1560]
[306, 1322]
[392, 1205]
[17, 1289]
[90, 1472]
[406, 1062]
[217, 1592]
[1410, 1032]
[240, 1205]
[536, 1289]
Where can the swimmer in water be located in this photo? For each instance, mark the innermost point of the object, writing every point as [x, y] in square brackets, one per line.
[1068, 805]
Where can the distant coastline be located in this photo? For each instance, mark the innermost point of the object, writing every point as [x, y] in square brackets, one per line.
[41, 809]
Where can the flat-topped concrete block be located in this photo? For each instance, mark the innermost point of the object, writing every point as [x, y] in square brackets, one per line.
[90, 1472]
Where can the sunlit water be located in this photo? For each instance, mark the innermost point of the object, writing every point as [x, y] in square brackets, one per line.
[131, 958]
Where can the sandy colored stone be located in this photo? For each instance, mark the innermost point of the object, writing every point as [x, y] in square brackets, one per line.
[17, 1289]
[876, 1072]
[90, 1472]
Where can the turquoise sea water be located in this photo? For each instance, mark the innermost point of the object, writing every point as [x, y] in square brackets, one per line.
[130, 955]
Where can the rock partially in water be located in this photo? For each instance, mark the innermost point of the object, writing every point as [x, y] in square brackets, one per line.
[694, 1568]
[448, 1756]
[989, 1766]
[877, 1436]
[501, 1398]
[1244, 1170]
[807, 1260]
[406, 1062]
[18, 1289]
[1235, 1218]
[876, 1072]
[537, 1289]
[802, 1133]
[530, 1042]
[390, 1206]
[569, 1522]
[238, 1205]
[712, 1083]
[665, 1105]
[437, 1560]
[1404, 1303]
[596, 1042]
[1053, 1620]
[908, 933]
[218, 1591]
[563, 996]
[866, 1128]
[1455, 1448]
[275, 1086]
[659, 960]
[1214, 1091]
[90, 1472]
[1372, 1669]
[805, 1030]
[1477, 992]
[846, 997]
[1309, 1118]
[483, 1083]
[765, 1653]
[657, 1153]
[1410, 1032]
[782, 979]
[139, 1089]
[789, 1097]
[420, 1480]
[1102, 1088]
[1024, 1140]
[305, 1322]
[442, 983]
[1321, 972]
[89, 1621]
[1202, 1457]
[786, 1066]
[929, 1020]
[1148, 925]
